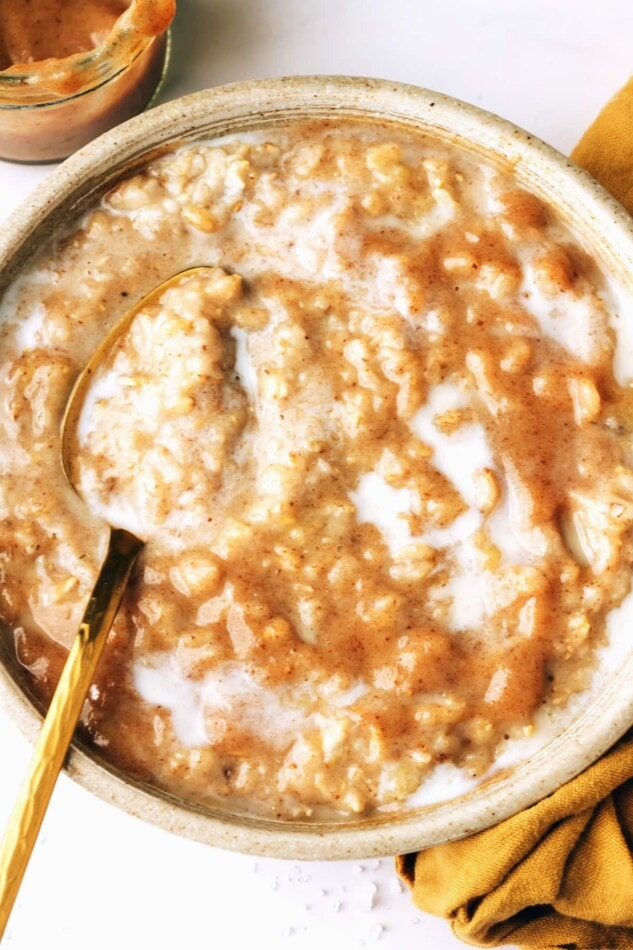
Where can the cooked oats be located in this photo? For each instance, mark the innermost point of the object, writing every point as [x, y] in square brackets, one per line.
[378, 451]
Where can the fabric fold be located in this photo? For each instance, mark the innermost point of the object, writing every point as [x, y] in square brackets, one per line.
[559, 874]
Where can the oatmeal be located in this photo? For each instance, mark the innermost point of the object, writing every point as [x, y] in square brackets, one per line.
[378, 447]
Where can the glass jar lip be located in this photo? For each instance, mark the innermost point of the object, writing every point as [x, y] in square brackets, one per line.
[55, 80]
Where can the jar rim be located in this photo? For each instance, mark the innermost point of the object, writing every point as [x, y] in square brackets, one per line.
[54, 80]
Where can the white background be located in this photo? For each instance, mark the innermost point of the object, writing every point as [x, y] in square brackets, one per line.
[100, 879]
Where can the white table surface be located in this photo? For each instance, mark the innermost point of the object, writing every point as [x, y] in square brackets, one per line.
[98, 878]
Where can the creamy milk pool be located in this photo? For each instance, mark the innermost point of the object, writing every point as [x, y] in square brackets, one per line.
[379, 449]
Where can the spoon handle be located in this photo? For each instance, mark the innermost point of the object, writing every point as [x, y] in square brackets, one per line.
[61, 719]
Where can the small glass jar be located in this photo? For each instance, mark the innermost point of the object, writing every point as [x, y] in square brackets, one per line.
[50, 108]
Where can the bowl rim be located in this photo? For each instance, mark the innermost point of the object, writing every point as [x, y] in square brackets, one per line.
[593, 215]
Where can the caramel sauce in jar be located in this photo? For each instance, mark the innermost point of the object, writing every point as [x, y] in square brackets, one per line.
[70, 70]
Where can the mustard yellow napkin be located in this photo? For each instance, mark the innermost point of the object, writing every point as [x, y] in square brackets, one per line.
[606, 148]
[559, 874]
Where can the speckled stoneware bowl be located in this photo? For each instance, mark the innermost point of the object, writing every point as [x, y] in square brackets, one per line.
[599, 222]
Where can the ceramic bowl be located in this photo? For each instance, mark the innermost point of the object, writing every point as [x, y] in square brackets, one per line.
[600, 224]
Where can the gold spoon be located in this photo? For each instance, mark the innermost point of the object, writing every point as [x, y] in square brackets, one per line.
[78, 672]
